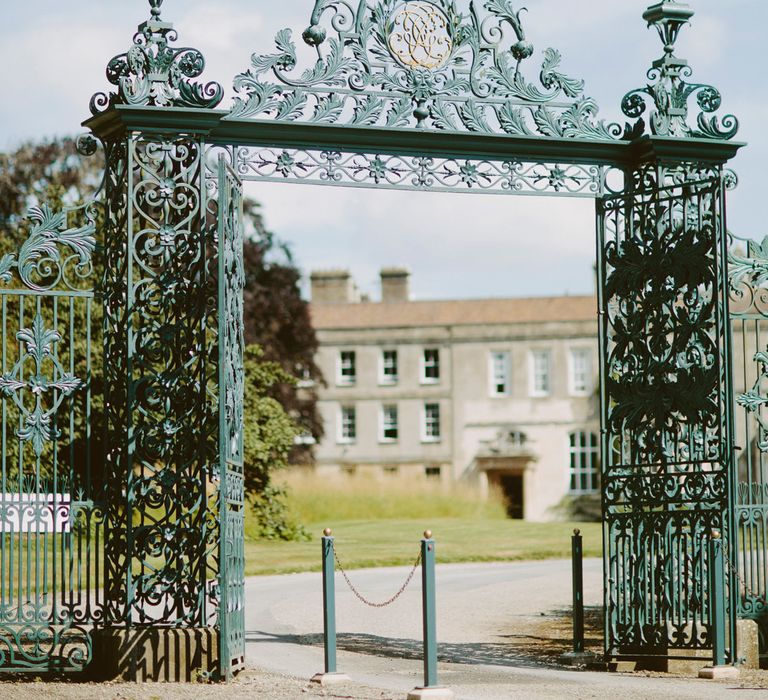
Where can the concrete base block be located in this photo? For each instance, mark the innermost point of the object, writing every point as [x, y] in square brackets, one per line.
[436, 693]
[331, 678]
[577, 658]
[748, 635]
[719, 673]
[156, 655]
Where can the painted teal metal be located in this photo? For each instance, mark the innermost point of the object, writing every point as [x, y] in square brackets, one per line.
[747, 276]
[667, 474]
[717, 598]
[429, 610]
[400, 94]
[52, 513]
[329, 603]
[231, 507]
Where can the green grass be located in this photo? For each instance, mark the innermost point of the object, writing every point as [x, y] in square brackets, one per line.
[380, 523]
[366, 543]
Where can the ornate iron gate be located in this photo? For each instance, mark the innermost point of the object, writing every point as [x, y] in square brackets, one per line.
[747, 276]
[666, 449]
[397, 94]
[51, 498]
[231, 491]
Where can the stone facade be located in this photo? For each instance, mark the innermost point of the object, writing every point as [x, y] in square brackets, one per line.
[495, 391]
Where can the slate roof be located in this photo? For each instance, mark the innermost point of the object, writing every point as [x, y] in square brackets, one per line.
[453, 313]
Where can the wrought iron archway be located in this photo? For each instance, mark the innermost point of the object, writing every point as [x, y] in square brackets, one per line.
[422, 95]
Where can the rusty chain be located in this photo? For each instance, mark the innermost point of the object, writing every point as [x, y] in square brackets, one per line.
[735, 571]
[362, 598]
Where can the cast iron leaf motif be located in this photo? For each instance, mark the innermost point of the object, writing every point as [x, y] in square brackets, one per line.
[154, 74]
[754, 399]
[46, 378]
[419, 63]
[41, 264]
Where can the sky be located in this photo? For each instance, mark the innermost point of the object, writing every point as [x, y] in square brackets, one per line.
[52, 59]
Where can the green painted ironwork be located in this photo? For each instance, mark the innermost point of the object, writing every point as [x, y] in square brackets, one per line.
[418, 64]
[666, 408]
[153, 73]
[747, 276]
[668, 90]
[405, 94]
[51, 503]
[231, 278]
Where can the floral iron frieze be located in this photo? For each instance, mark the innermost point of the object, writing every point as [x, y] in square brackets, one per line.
[38, 427]
[668, 91]
[154, 74]
[422, 63]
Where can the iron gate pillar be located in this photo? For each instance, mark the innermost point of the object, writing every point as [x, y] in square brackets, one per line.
[170, 501]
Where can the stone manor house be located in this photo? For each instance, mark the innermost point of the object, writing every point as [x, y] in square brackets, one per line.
[494, 391]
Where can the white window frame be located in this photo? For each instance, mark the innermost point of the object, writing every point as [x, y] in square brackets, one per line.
[579, 388]
[583, 462]
[341, 379]
[341, 438]
[426, 422]
[384, 378]
[535, 390]
[506, 378]
[425, 364]
[384, 423]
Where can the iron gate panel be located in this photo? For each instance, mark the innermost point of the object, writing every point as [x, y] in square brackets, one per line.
[747, 276]
[666, 413]
[51, 511]
[231, 490]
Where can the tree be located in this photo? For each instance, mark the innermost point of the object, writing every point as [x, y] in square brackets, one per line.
[277, 319]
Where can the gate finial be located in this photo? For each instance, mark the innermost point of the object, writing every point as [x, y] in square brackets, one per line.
[153, 74]
[669, 90]
[156, 8]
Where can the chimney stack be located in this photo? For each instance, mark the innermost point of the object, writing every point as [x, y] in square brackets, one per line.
[333, 287]
[395, 285]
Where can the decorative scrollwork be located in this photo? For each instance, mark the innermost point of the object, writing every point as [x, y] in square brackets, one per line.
[755, 398]
[748, 277]
[668, 89]
[418, 172]
[38, 426]
[402, 63]
[41, 264]
[152, 73]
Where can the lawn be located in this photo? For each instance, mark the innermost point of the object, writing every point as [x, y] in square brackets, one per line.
[380, 524]
[367, 543]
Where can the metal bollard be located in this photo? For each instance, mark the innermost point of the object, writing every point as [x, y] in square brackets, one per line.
[331, 675]
[716, 597]
[579, 656]
[430, 689]
[577, 567]
[429, 609]
[329, 602]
